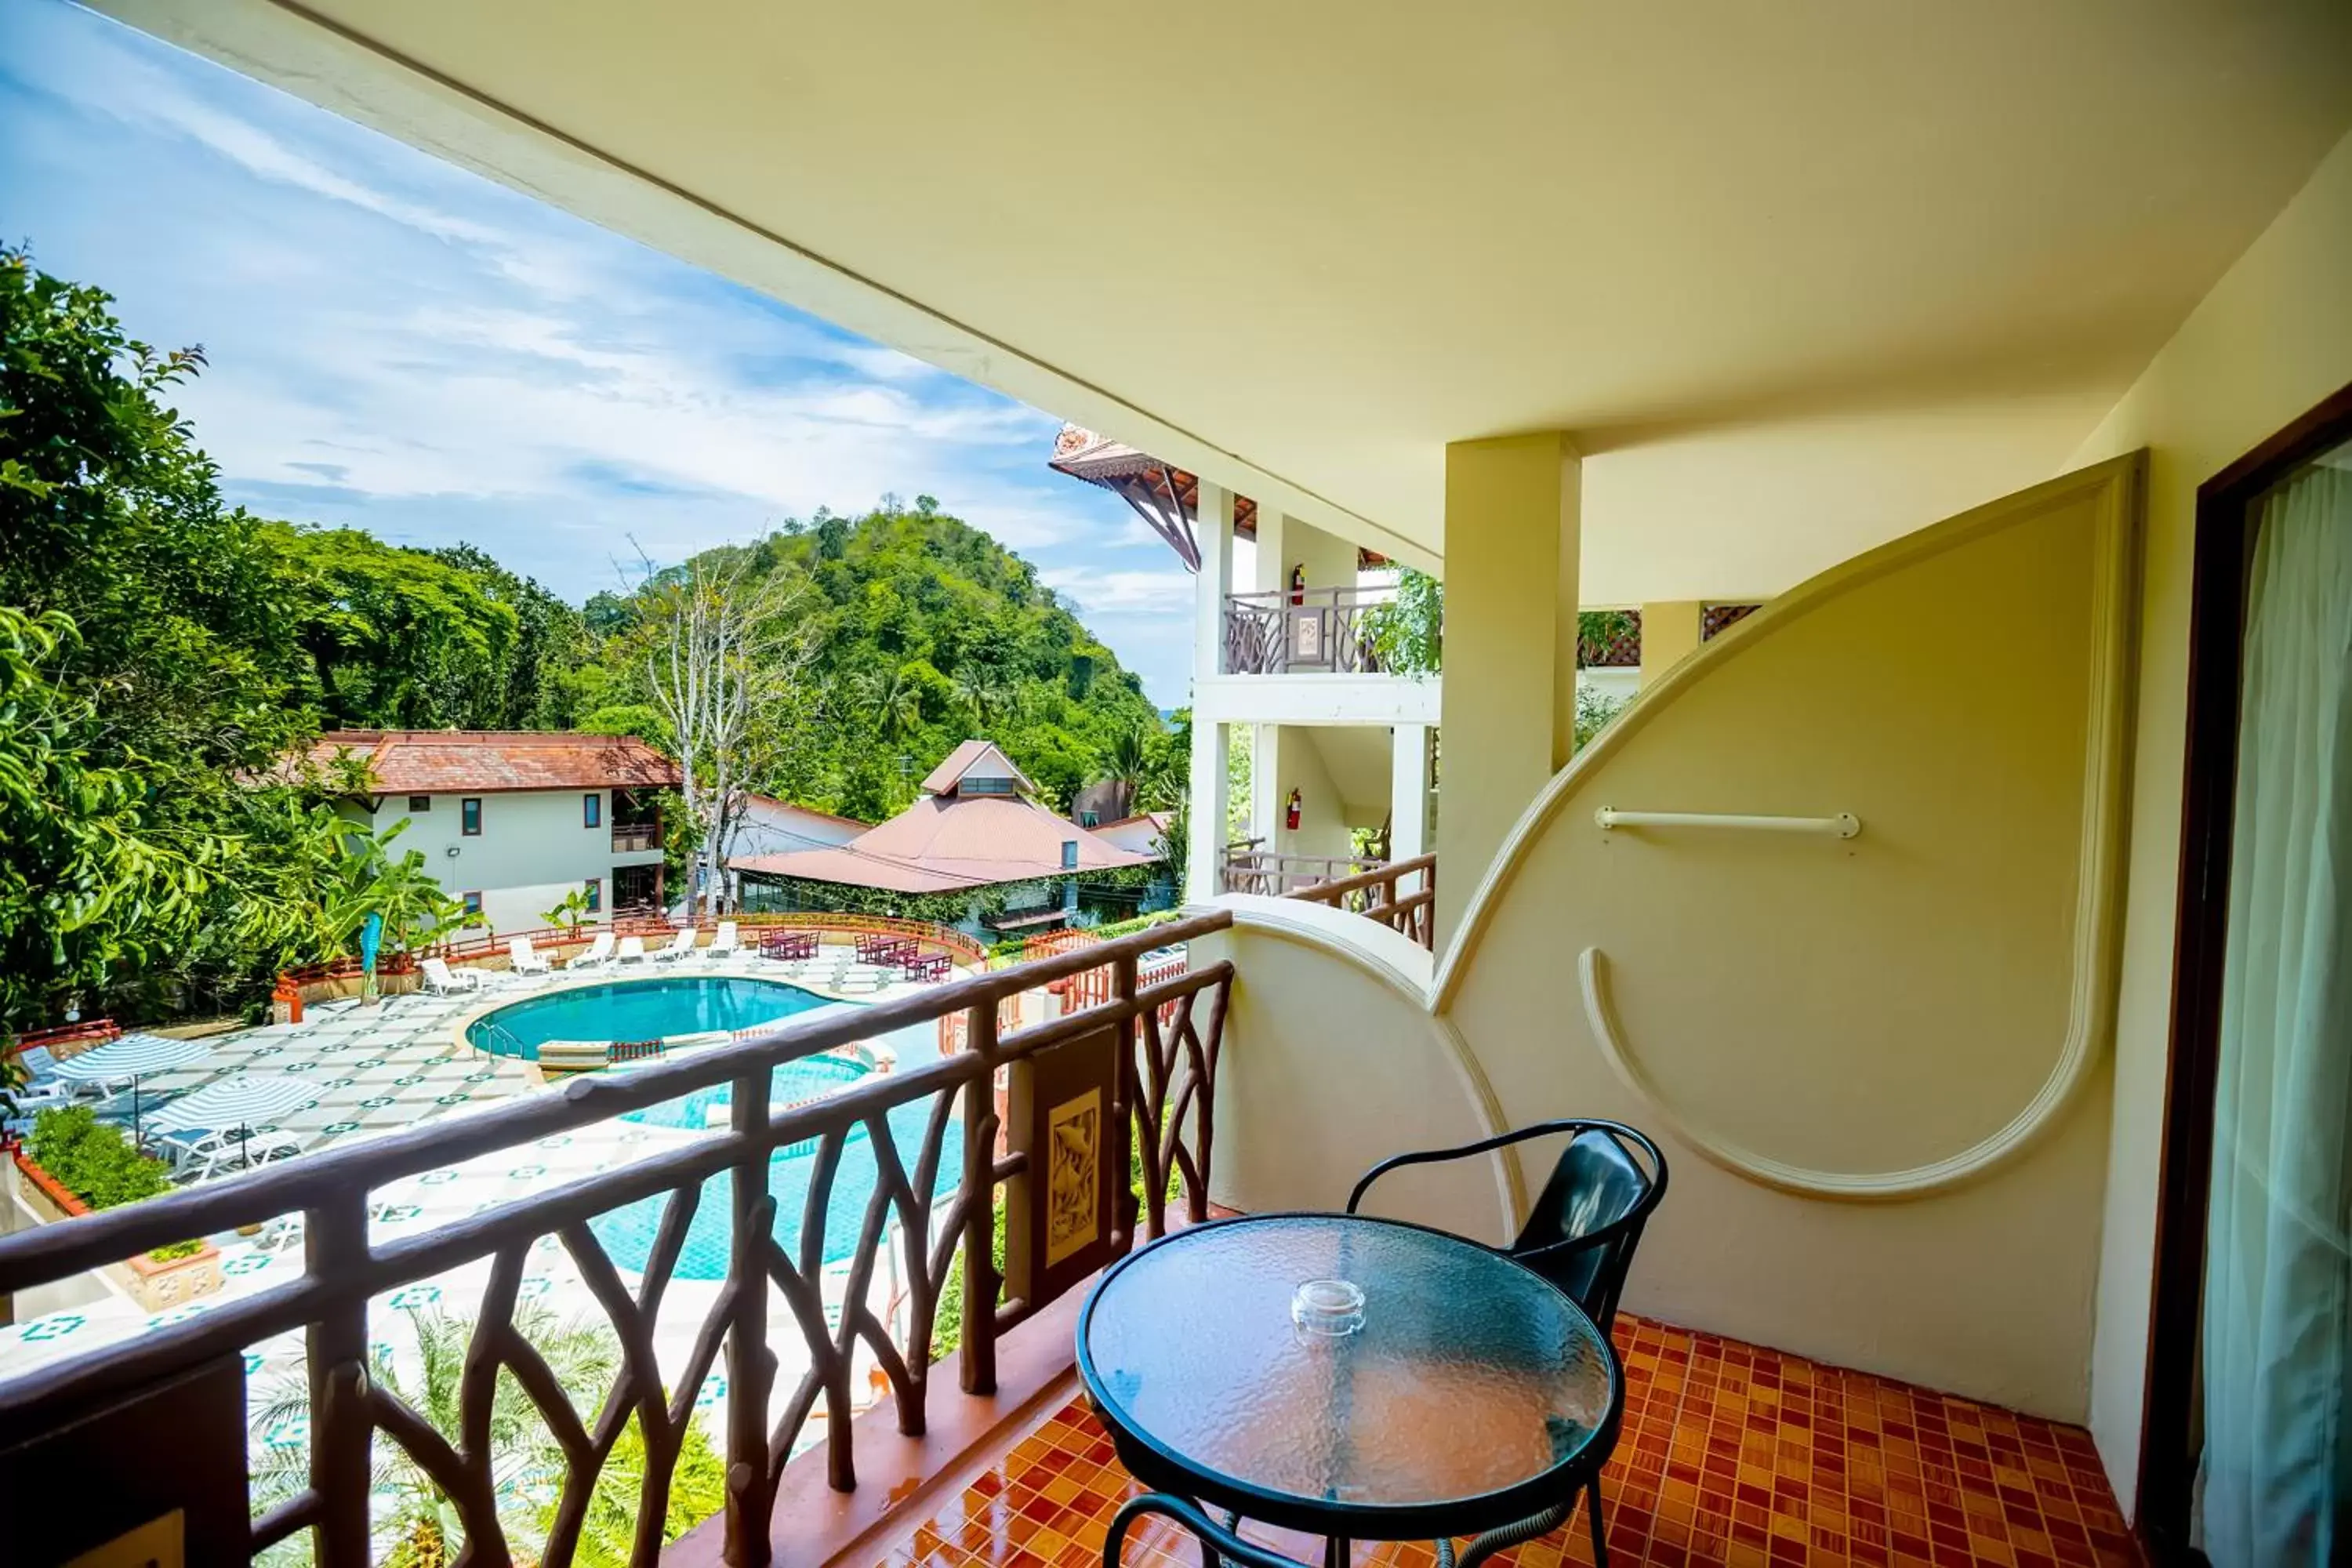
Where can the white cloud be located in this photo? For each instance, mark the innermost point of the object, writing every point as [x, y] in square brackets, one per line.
[1165, 593]
[476, 366]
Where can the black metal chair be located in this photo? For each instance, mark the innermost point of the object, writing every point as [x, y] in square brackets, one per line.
[1581, 1234]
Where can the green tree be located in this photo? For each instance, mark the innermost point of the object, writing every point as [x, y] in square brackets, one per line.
[1409, 632]
[417, 1525]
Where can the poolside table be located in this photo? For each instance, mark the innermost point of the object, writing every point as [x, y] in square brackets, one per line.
[927, 966]
[1462, 1392]
[788, 943]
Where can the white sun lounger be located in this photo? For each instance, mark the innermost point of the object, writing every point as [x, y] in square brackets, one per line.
[631, 950]
[443, 981]
[599, 953]
[680, 946]
[523, 958]
[724, 944]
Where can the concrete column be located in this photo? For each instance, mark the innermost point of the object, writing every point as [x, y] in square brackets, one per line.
[1208, 807]
[1669, 636]
[1214, 531]
[1408, 791]
[1511, 547]
[1265, 784]
[1214, 527]
[1272, 562]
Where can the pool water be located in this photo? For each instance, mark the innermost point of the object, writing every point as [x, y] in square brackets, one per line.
[638, 1010]
[627, 1233]
[811, 1078]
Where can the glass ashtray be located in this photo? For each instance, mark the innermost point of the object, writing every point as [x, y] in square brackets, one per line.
[1328, 1307]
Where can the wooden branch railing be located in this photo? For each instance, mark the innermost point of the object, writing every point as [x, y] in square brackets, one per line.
[1249, 869]
[1380, 894]
[1162, 1089]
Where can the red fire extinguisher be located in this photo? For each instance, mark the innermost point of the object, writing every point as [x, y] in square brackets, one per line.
[1298, 589]
[1290, 816]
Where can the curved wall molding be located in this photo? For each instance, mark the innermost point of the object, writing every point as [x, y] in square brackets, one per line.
[1403, 965]
[2098, 904]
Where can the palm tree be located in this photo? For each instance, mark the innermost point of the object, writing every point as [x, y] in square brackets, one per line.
[416, 1526]
[896, 703]
[980, 692]
[363, 880]
[1127, 763]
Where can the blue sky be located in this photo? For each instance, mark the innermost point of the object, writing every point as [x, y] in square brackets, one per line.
[400, 345]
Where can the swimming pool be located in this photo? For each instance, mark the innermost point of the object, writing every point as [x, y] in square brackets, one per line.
[637, 1010]
[627, 1233]
[811, 1078]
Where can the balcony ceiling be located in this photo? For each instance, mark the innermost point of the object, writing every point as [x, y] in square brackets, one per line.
[1800, 276]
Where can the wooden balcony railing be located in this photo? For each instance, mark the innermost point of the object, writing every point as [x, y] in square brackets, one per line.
[1399, 894]
[1250, 870]
[1310, 629]
[631, 837]
[1149, 1046]
[1382, 894]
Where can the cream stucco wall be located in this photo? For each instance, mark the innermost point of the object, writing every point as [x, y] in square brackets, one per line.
[1877, 1065]
[2273, 338]
[533, 850]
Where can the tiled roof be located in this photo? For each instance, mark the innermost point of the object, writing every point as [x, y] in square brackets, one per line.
[489, 762]
[789, 809]
[1099, 460]
[968, 756]
[941, 843]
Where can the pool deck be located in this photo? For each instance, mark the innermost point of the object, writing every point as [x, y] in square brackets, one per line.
[401, 1062]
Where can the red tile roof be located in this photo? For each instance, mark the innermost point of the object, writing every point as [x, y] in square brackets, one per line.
[491, 761]
[941, 843]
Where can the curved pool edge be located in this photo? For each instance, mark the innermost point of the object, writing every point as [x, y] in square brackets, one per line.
[491, 1000]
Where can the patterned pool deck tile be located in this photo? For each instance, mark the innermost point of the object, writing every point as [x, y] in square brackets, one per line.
[1730, 1454]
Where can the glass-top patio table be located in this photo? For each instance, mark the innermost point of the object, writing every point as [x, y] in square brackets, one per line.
[1451, 1391]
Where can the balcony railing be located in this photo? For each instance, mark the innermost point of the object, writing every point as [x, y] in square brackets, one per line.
[1251, 869]
[1399, 894]
[1149, 1046]
[1402, 895]
[1297, 630]
[630, 837]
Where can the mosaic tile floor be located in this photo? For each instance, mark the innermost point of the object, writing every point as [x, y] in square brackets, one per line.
[1730, 1455]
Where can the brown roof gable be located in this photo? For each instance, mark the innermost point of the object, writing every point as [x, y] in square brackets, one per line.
[490, 762]
[975, 756]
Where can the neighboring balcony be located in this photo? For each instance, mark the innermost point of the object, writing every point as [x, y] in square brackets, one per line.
[635, 837]
[1399, 894]
[1324, 631]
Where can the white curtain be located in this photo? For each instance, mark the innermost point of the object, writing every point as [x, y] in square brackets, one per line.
[2277, 1468]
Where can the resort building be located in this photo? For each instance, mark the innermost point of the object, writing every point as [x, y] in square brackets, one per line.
[976, 851]
[1993, 1026]
[511, 822]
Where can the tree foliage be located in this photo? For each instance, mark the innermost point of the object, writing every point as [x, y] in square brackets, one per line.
[162, 655]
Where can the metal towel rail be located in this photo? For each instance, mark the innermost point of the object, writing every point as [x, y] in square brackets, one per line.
[1844, 824]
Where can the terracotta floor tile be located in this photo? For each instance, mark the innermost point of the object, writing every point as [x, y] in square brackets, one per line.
[1730, 1454]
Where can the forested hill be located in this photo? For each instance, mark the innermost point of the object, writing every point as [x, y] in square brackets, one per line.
[161, 653]
[923, 632]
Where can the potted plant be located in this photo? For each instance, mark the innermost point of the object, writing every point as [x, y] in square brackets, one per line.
[78, 1164]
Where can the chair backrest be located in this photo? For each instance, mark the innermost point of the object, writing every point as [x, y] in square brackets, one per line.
[1583, 1230]
[436, 970]
[598, 948]
[633, 947]
[683, 941]
[725, 936]
[519, 951]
